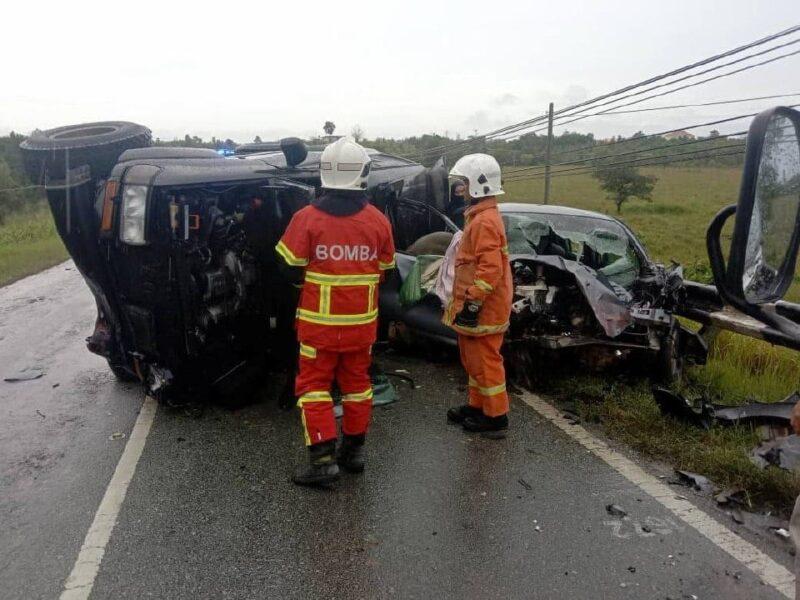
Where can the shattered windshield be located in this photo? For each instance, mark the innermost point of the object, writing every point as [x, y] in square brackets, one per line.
[601, 244]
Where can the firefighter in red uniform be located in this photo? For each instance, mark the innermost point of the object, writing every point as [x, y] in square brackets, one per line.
[344, 244]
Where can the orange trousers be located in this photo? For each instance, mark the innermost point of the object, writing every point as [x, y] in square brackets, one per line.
[317, 370]
[483, 362]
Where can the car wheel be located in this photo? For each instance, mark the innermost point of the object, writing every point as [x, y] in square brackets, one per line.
[670, 361]
[122, 373]
[98, 145]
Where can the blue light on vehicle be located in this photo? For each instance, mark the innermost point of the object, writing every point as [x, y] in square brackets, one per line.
[225, 152]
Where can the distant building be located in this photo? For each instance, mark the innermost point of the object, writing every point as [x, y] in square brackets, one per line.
[678, 135]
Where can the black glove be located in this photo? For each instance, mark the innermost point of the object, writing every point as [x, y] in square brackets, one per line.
[468, 317]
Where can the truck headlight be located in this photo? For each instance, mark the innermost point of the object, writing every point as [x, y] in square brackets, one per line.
[134, 207]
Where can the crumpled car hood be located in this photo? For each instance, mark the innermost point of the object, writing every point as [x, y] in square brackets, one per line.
[608, 301]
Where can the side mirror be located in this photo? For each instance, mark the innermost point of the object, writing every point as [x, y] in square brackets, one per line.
[767, 231]
[766, 234]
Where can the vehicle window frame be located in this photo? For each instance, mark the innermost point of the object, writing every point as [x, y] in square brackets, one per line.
[451, 227]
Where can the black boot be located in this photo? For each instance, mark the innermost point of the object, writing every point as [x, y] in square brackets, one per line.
[458, 414]
[322, 469]
[490, 427]
[351, 453]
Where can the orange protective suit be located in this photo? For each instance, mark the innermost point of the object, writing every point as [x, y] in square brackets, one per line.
[344, 258]
[483, 275]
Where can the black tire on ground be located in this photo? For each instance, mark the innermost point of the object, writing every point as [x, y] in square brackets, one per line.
[95, 144]
[122, 373]
[669, 361]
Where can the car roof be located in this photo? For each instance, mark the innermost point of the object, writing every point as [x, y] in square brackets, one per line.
[551, 209]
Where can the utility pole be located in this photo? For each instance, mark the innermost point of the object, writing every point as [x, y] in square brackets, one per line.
[547, 154]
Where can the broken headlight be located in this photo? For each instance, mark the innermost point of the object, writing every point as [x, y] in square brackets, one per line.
[134, 209]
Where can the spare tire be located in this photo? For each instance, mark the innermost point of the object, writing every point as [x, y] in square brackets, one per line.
[98, 145]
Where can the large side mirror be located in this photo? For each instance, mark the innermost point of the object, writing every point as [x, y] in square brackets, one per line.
[767, 231]
[766, 234]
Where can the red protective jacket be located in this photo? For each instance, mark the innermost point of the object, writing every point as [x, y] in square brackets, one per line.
[344, 257]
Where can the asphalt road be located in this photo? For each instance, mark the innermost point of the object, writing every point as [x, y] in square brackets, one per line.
[211, 511]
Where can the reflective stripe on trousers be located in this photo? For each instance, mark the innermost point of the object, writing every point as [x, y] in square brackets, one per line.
[487, 377]
[313, 384]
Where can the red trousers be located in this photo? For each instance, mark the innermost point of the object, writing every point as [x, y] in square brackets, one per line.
[483, 362]
[318, 368]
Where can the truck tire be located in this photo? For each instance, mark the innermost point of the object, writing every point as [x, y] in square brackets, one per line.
[98, 145]
[122, 373]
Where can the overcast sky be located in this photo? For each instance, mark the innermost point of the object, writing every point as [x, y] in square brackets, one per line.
[238, 69]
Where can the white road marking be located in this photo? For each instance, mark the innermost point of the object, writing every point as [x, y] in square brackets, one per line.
[79, 584]
[769, 571]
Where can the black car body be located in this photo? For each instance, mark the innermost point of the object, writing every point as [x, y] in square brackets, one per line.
[177, 246]
[583, 285]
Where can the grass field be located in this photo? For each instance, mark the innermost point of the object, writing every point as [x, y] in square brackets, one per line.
[28, 244]
[672, 227]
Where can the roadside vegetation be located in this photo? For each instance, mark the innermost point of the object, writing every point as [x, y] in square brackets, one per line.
[672, 225]
[29, 242]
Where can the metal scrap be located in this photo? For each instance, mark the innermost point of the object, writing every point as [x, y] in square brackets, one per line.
[695, 481]
[616, 511]
[783, 452]
[26, 374]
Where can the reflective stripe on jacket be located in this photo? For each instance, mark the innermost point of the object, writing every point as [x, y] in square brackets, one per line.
[483, 273]
[343, 257]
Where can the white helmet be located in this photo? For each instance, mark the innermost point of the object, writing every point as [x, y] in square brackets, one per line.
[482, 173]
[344, 165]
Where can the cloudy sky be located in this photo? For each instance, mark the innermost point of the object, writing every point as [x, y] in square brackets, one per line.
[237, 69]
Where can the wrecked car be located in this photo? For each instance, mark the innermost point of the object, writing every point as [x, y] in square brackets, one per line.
[177, 247]
[583, 284]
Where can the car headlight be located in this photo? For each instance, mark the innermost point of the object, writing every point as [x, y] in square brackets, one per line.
[134, 208]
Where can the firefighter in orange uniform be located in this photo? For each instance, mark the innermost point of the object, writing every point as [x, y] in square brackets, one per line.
[481, 305]
[343, 244]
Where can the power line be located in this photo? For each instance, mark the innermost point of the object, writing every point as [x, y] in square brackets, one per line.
[639, 151]
[672, 91]
[657, 134]
[656, 162]
[639, 161]
[24, 187]
[717, 103]
[672, 73]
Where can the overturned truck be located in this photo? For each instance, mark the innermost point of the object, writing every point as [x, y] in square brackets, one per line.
[177, 247]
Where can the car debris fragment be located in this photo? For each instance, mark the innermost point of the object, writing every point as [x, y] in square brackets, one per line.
[615, 510]
[783, 533]
[782, 452]
[25, 374]
[695, 481]
[772, 418]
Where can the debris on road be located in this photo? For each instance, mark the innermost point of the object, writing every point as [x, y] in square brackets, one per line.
[725, 497]
[117, 435]
[783, 452]
[26, 374]
[525, 484]
[772, 417]
[783, 533]
[675, 405]
[38, 412]
[616, 511]
[695, 481]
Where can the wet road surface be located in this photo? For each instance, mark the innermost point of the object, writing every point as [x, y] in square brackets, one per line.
[211, 511]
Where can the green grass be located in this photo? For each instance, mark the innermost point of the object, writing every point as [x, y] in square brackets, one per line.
[29, 243]
[628, 413]
[672, 227]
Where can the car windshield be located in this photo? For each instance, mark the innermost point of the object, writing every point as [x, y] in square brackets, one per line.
[601, 244]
